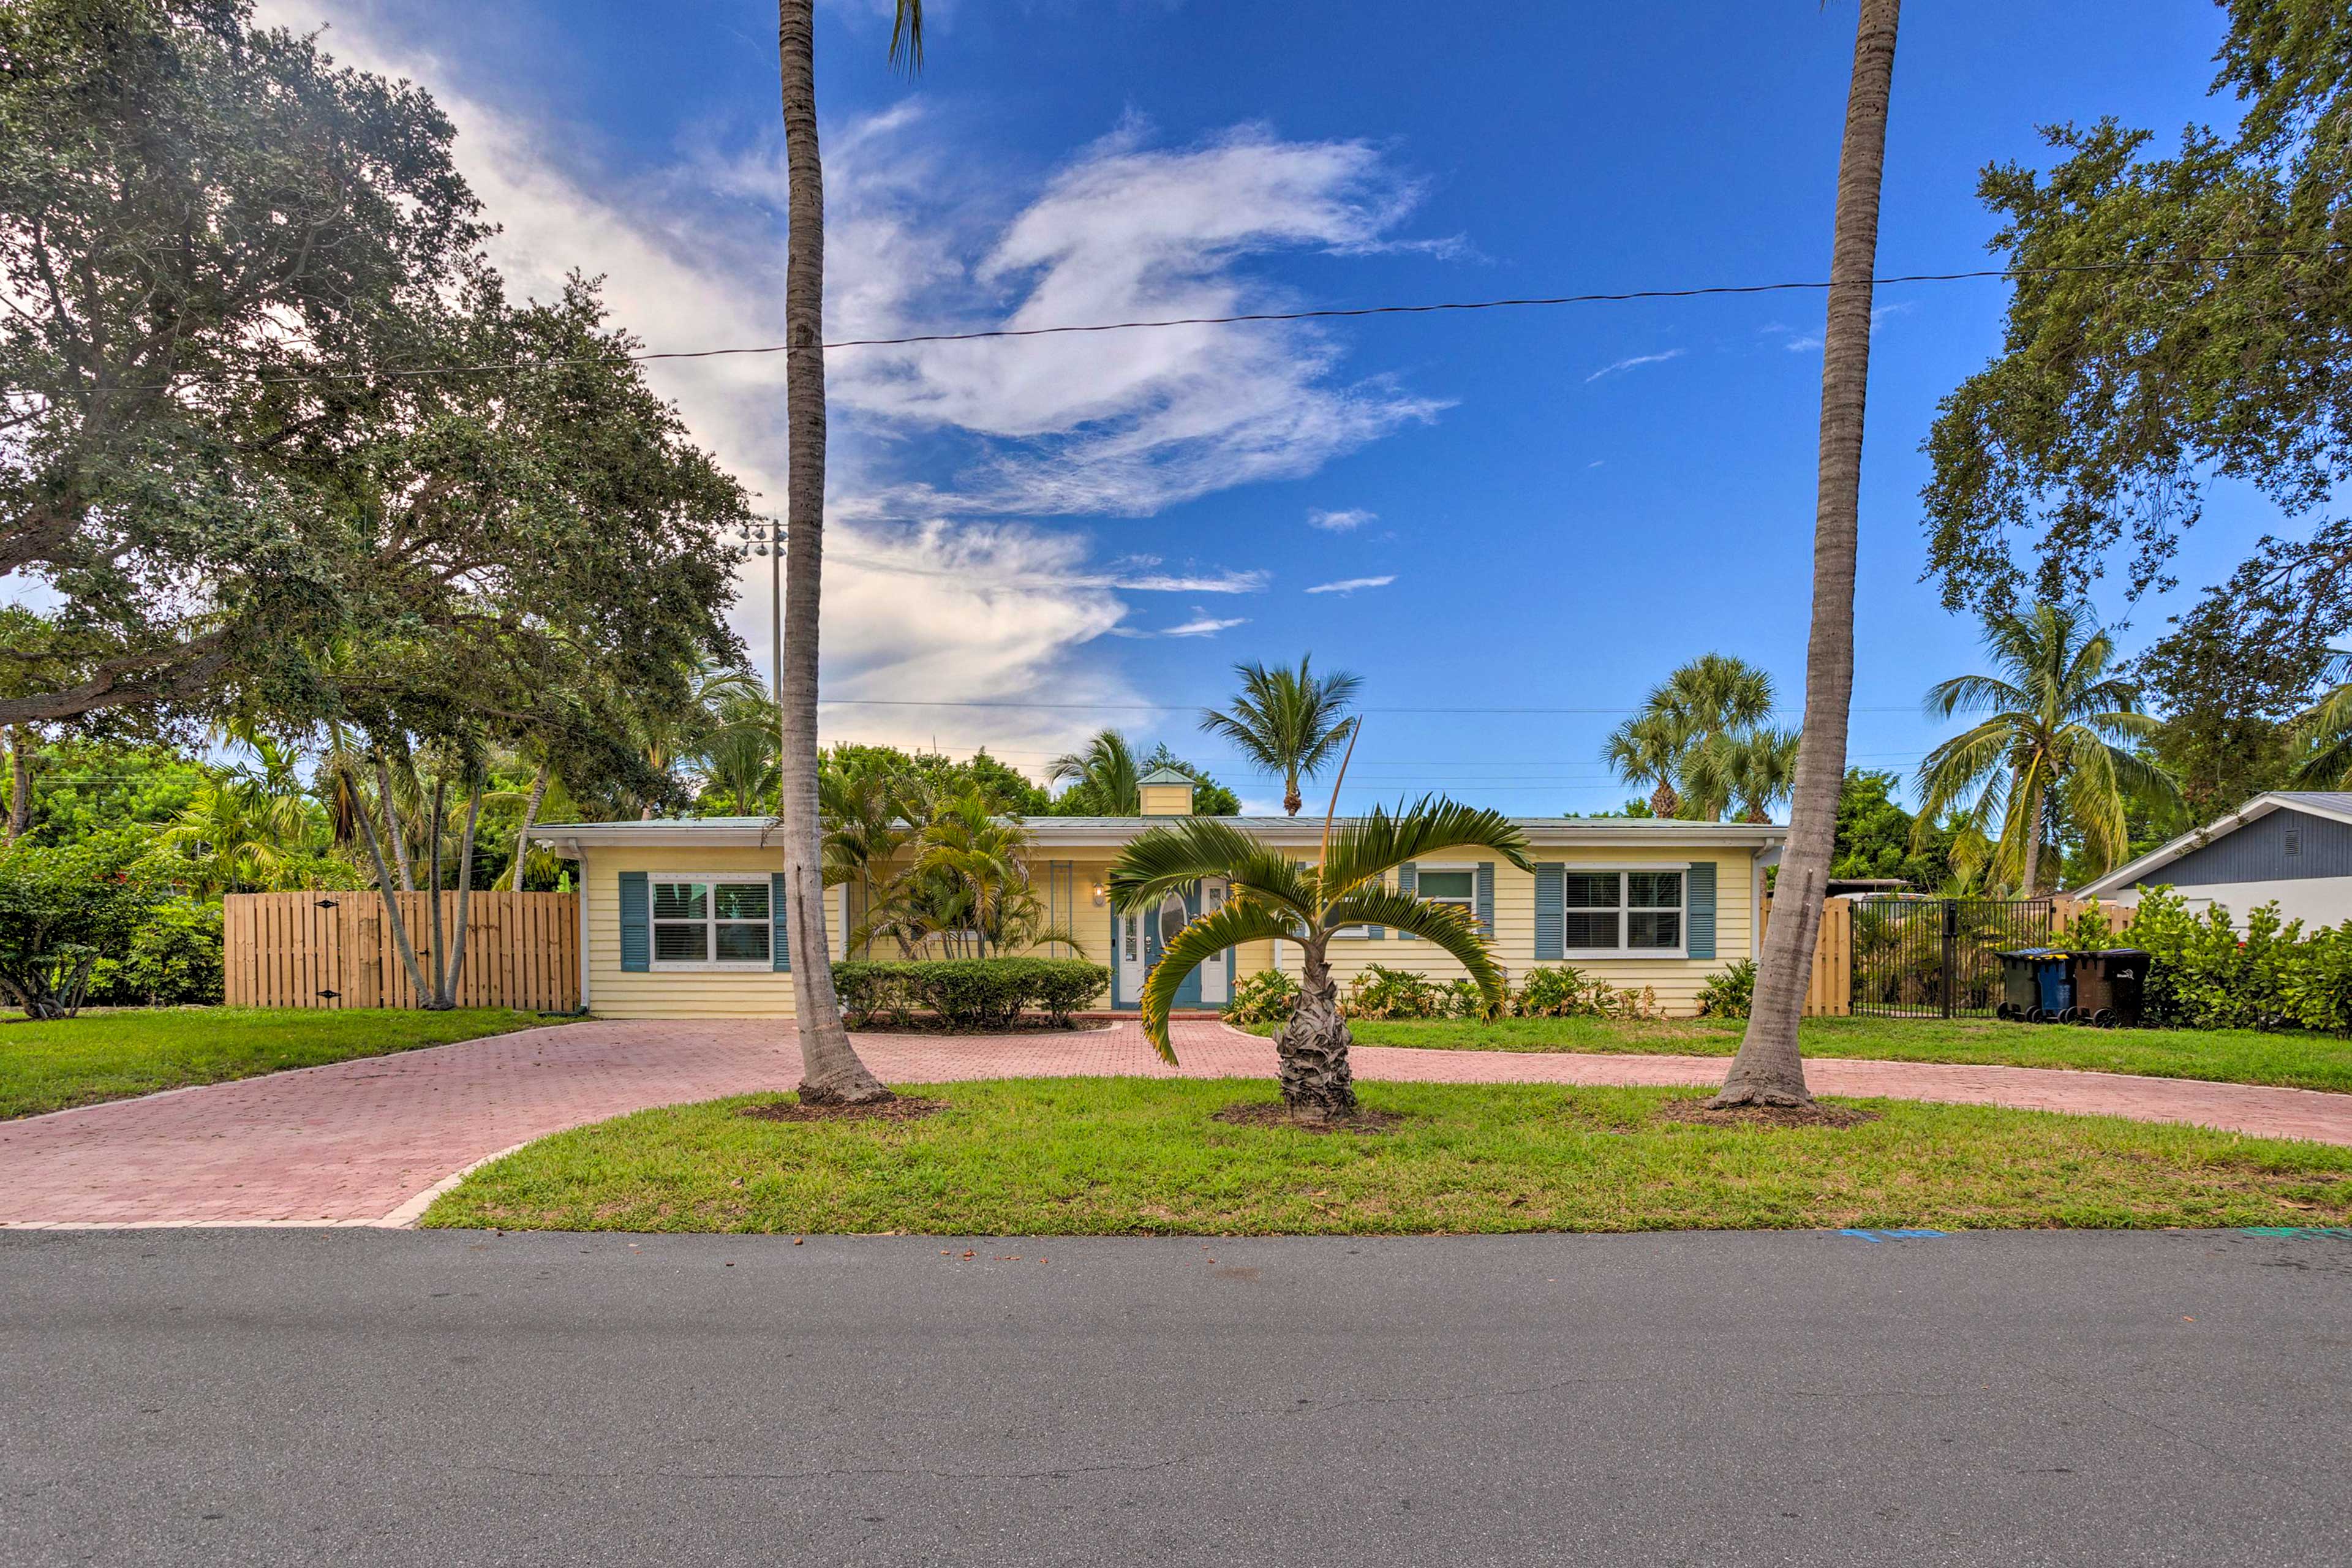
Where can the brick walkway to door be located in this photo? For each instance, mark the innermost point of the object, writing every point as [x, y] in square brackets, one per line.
[354, 1142]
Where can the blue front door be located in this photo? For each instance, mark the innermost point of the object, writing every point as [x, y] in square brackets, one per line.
[1139, 939]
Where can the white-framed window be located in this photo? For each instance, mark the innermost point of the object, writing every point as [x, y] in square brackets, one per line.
[703, 922]
[1456, 885]
[1639, 914]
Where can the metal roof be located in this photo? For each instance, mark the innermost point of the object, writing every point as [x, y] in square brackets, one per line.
[2329, 803]
[760, 831]
[1167, 776]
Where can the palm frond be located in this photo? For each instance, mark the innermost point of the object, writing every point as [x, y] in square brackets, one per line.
[1378, 842]
[1449, 926]
[1201, 940]
[1173, 858]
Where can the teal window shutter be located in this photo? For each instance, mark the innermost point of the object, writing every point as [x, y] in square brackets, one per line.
[1698, 913]
[779, 950]
[1551, 911]
[636, 925]
[1486, 898]
[1409, 884]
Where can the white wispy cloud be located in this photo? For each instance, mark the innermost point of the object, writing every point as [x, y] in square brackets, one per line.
[1124, 424]
[1349, 584]
[1206, 627]
[922, 602]
[1636, 361]
[1341, 522]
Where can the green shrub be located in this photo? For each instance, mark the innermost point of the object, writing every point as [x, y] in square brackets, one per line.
[62, 909]
[1729, 992]
[1269, 996]
[1461, 998]
[1568, 993]
[174, 960]
[967, 995]
[1380, 991]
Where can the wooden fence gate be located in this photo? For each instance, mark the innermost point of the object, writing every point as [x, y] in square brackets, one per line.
[1829, 993]
[335, 950]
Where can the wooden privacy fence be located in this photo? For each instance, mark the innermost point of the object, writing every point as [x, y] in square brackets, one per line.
[1830, 994]
[335, 950]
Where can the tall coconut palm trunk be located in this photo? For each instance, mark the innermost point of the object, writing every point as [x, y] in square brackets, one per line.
[1769, 1069]
[831, 1073]
[1311, 1050]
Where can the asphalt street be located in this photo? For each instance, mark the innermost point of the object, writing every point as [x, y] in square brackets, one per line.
[351, 1396]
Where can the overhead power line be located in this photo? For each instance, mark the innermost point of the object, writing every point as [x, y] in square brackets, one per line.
[1182, 707]
[1335, 313]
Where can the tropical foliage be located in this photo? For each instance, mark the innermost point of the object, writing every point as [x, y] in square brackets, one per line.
[2053, 744]
[1289, 723]
[1703, 740]
[1105, 780]
[1274, 898]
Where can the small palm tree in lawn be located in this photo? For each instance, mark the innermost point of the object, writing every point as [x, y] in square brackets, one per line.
[1647, 749]
[2054, 739]
[1274, 898]
[1106, 771]
[1289, 723]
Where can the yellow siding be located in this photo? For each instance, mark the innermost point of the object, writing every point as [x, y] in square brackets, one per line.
[763, 993]
[1676, 980]
[613, 992]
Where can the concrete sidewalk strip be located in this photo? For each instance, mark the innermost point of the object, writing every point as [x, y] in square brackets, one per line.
[372, 1141]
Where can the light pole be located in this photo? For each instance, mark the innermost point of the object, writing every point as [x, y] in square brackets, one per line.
[765, 536]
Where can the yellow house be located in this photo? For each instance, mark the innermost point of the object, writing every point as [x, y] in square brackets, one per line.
[680, 916]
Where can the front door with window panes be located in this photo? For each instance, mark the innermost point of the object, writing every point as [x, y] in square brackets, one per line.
[1638, 914]
[1144, 935]
[712, 924]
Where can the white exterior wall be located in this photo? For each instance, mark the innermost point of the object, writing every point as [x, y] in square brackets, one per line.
[2314, 901]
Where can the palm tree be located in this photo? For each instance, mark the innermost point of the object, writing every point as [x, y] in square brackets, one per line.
[869, 819]
[1647, 749]
[2048, 746]
[739, 759]
[1289, 723]
[669, 736]
[1770, 1068]
[980, 854]
[1276, 899]
[831, 1073]
[2324, 734]
[1713, 696]
[1107, 771]
[1745, 771]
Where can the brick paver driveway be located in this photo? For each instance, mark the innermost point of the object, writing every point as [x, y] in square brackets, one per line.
[359, 1141]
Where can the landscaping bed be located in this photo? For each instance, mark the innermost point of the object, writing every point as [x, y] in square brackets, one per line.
[2291, 1059]
[1145, 1156]
[102, 1056]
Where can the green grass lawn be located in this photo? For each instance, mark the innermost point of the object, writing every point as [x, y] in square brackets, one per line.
[114, 1055]
[1118, 1156]
[2223, 1055]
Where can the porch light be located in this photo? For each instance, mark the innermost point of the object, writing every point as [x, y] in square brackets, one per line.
[1099, 895]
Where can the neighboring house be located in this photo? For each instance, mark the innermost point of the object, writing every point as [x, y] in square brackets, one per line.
[680, 916]
[2291, 848]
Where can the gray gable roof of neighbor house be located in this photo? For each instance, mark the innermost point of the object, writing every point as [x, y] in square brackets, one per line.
[2284, 836]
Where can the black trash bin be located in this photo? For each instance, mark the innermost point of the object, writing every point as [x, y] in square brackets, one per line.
[2111, 986]
[2023, 994]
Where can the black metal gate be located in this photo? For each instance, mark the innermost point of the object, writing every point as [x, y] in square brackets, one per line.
[1934, 958]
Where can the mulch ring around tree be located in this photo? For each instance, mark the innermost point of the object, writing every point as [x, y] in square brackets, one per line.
[1258, 1113]
[1815, 1115]
[900, 1107]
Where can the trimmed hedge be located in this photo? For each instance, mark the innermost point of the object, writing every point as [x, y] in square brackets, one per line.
[966, 994]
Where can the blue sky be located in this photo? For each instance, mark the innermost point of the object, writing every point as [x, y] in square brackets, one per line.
[1538, 509]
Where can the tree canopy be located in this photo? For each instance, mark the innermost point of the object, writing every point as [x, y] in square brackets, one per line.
[2177, 319]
